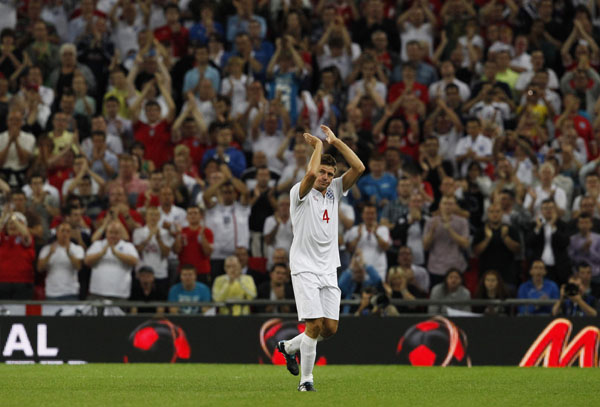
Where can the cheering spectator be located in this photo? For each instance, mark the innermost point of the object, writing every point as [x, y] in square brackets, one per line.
[111, 261]
[277, 230]
[194, 244]
[234, 286]
[188, 290]
[378, 187]
[155, 134]
[549, 242]
[356, 278]
[153, 244]
[17, 256]
[584, 247]
[62, 261]
[496, 245]
[16, 148]
[227, 215]
[372, 239]
[445, 236]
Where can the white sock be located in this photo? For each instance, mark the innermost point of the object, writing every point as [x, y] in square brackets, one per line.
[293, 345]
[308, 354]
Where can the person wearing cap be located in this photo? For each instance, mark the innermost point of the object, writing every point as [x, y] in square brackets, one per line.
[62, 261]
[17, 256]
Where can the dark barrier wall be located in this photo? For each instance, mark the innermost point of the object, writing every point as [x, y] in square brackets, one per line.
[420, 341]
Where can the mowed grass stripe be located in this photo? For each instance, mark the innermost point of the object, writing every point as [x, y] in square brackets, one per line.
[256, 385]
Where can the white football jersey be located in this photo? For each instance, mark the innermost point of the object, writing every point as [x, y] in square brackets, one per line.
[315, 226]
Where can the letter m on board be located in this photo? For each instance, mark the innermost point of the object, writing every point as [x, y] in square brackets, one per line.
[552, 349]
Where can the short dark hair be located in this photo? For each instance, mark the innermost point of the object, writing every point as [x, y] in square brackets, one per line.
[328, 159]
[188, 267]
[112, 99]
[278, 265]
[152, 103]
[146, 269]
[584, 216]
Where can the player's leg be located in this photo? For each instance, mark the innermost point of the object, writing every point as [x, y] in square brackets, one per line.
[330, 327]
[308, 352]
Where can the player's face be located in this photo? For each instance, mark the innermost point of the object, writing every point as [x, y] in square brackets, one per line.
[324, 178]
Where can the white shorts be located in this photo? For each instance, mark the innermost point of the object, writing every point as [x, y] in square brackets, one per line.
[317, 295]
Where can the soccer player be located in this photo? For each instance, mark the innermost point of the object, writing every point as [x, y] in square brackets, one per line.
[314, 255]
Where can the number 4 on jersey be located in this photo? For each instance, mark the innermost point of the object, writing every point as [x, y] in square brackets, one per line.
[326, 216]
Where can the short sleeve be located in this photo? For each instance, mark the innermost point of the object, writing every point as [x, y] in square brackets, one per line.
[77, 251]
[130, 249]
[384, 233]
[338, 187]
[351, 234]
[138, 236]
[44, 252]
[210, 236]
[295, 194]
[166, 238]
[96, 247]
[270, 224]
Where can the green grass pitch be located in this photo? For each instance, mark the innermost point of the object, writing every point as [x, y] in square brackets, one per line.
[257, 386]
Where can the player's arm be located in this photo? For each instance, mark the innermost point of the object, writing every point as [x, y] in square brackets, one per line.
[313, 166]
[356, 165]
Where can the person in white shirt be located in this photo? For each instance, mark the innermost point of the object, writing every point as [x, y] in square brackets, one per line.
[62, 261]
[372, 239]
[277, 230]
[314, 255]
[227, 217]
[436, 89]
[153, 244]
[545, 190]
[171, 216]
[111, 261]
[473, 147]
[16, 148]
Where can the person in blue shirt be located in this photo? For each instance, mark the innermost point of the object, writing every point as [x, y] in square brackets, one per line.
[537, 288]
[356, 278]
[378, 186]
[202, 69]
[188, 290]
[224, 153]
[241, 21]
[201, 30]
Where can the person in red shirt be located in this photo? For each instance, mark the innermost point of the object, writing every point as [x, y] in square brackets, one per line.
[194, 244]
[190, 130]
[119, 208]
[173, 34]
[156, 134]
[409, 84]
[150, 197]
[17, 256]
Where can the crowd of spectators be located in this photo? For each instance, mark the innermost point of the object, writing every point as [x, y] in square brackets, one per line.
[147, 148]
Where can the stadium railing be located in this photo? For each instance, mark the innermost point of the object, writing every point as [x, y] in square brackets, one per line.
[510, 305]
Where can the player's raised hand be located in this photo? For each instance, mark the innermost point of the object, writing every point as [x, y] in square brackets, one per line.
[310, 139]
[330, 137]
